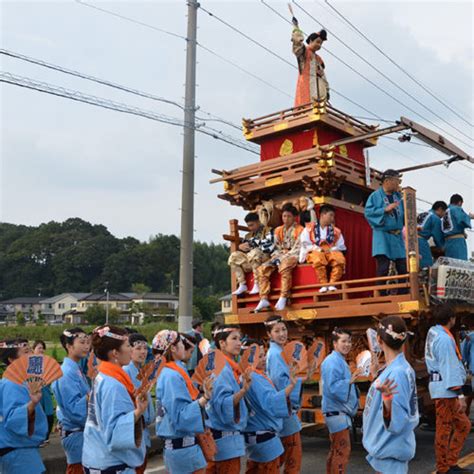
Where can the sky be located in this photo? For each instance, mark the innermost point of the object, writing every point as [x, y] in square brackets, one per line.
[61, 158]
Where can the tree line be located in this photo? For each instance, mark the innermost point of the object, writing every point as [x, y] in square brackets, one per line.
[77, 256]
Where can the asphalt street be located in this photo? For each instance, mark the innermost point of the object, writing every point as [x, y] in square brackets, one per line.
[316, 445]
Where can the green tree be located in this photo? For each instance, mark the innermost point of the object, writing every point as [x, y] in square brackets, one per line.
[95, 315]
[140, 288]
[20, 318]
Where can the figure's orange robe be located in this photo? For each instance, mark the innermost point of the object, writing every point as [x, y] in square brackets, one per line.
[312, 82]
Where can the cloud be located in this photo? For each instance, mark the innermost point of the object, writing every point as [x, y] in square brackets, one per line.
[63, 159]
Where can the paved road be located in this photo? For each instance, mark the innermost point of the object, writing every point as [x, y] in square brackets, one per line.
[315, 448]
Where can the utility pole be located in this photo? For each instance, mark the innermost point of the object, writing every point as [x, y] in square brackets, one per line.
[187, 193]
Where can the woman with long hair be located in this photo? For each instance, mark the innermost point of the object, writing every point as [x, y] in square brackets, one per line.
[391, 407]
[72, 393]
[113, 437]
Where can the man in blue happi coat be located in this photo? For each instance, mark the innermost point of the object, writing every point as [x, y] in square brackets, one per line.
[385, 213]
[454, 225]
[429, 226]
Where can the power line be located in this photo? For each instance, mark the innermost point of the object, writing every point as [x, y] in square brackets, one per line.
[200, 45]
[417, 81]
[445, 175]
[111, 84]
[138, 22]
[352, 69]
[78, 96]
[376, 116]
[381, 89]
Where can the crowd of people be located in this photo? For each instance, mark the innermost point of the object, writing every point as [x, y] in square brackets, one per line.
[105, 422]
[319, 242]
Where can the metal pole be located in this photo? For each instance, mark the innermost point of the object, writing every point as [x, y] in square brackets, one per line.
[187, 196]
[107, 303]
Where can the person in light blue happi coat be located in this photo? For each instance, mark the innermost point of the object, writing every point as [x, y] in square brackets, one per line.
[467, 352]
[447, 377]
[384, 212]
[23, 423]
[429, 226]
[113, 437]
[139, 355]
[279, 373]
[180, 409]
[454, 225]
[340, 399]
[72, 393]
[227, 411]
[39, 348]
[391, 407]
[267, 408]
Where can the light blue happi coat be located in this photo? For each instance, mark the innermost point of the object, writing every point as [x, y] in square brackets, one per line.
[383, 241]
[149, 415]
[456, 221]
[467, 352]
[391, 443]
[71, 392]
[430, 225]
[279, 373]
[339, 395]
[267, 408]
[178, 416]
[441, 359]
[224, 417]
[109, 436]
[25, 458]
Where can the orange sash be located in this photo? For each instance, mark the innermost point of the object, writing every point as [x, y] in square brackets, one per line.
[235, 368]
[115, 371]
[448, 332]
[193, 391]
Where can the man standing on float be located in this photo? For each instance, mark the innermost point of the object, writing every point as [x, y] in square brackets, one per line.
[312, 82]
[385, 214]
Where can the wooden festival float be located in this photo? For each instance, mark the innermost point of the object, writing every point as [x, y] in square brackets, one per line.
[319, 152]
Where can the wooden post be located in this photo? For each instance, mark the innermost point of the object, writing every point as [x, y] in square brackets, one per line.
[234, 246]
[411, 240]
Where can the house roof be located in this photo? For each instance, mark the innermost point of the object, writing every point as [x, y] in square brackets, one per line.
[226, 297]
[56, 298]
[103, 297]
[154, 296]
[24, 300]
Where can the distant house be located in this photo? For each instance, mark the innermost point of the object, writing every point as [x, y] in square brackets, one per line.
[117, 301]
[226, 308]
[160, 305]
[29, 306]
[54, 308]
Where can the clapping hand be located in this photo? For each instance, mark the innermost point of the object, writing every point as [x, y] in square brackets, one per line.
[355, 375]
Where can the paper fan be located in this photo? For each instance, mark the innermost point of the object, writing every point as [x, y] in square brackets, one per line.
[250, 357]
[92, 364]
[33, 368]
[212, 363]
[316, 352]
[372, 340]
[149, 373]
[295, 353]
[204, 346]
[363, 361]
